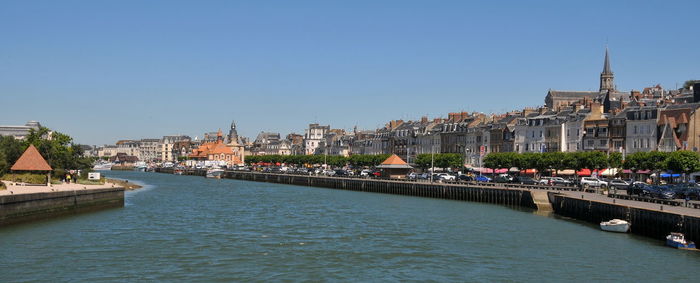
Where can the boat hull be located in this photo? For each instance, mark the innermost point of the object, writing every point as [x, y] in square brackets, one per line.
[678, 245]
[215, 174]
[615, 225]
[618, 228]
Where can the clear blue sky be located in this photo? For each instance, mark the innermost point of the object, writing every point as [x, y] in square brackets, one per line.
[107, 70]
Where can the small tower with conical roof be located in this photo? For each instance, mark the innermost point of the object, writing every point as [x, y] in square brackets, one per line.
[607, 78]
[232, 137]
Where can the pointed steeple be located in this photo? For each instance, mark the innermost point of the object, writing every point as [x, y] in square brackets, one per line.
[606, 66]
[607, 78]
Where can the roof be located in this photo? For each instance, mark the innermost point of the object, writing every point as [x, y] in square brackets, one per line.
[573, 94]
[394, 162]
[31, 160]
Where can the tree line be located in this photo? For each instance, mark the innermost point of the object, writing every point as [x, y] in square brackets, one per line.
[678, 161]
[59, 151]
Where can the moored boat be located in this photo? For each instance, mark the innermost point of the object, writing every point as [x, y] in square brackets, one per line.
[178, 171]
[102, 166]
[615, 225]
[215, 173]
[140, 166]
[678, 241]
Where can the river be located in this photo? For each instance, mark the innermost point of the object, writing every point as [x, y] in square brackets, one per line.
[187, 229]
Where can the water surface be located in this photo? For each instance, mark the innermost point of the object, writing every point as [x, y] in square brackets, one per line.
[187, 228]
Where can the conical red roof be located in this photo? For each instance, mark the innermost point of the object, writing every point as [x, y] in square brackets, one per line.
[31, 160]
[394, 160]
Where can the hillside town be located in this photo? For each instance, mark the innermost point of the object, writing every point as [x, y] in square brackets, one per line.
[608, 120]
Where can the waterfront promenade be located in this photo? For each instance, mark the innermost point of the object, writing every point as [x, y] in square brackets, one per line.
[18, 189]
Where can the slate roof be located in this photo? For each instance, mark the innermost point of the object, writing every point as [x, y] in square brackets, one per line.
[31, 160]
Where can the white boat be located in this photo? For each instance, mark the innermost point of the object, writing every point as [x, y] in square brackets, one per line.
[140, 166]
[102, 166]
[215, 173]
[615, 225]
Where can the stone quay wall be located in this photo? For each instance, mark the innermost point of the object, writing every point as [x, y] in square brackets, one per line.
[17, 208]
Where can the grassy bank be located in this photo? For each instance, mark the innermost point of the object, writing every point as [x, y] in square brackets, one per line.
[125, 184]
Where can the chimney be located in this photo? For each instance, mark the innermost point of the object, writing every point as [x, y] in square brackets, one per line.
[424, 119]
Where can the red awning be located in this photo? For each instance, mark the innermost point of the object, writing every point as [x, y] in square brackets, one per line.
[528, 171]
[584, 172]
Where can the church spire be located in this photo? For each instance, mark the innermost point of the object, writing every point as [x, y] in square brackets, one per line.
[606, 67]
[607, 77]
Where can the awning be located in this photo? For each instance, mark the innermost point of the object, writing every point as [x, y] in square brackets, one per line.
[627, 171]
[584, 172]
[566, 172]
[643, 171]
[528, 171]
[609, 172]
[514, 169]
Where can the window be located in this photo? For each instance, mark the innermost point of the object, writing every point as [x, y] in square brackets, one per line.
[603, 142]
[590, 142]
[635, 129]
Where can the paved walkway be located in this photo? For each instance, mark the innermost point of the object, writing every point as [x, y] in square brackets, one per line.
[631, 203]
[19, 189]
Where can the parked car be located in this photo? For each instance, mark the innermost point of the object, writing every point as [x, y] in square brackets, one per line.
[503, 179]
[465, 178]
[618, 184]
[446, 177]
[545, 181]
[341, 173]
[587, 182]
[482, 178]
[365, 173]
[525, 180]
[559, 181]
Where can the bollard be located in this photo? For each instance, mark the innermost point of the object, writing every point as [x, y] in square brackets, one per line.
[581, 196]
[661, 207]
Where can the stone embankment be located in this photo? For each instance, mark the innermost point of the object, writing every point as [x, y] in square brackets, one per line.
[25, 203]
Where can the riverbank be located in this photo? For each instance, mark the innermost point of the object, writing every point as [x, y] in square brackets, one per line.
[22, 203]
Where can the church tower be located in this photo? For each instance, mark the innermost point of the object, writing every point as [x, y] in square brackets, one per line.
[607, 78]
[232, 137]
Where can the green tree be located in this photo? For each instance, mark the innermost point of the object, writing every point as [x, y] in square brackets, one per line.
[690, 83]
[683, 161]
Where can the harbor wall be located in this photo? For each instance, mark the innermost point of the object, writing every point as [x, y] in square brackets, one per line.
[652, 223]
[501, 196]
[25, 207]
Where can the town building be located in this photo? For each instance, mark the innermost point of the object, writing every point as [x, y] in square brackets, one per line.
[19, 132]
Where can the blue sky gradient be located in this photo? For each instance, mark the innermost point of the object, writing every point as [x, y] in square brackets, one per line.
[107, 70]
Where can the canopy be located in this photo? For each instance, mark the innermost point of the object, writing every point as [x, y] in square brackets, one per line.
[667, 175]
[609, 172]
[31, 160]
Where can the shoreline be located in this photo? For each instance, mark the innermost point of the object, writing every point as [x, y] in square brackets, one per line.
[129, 186]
